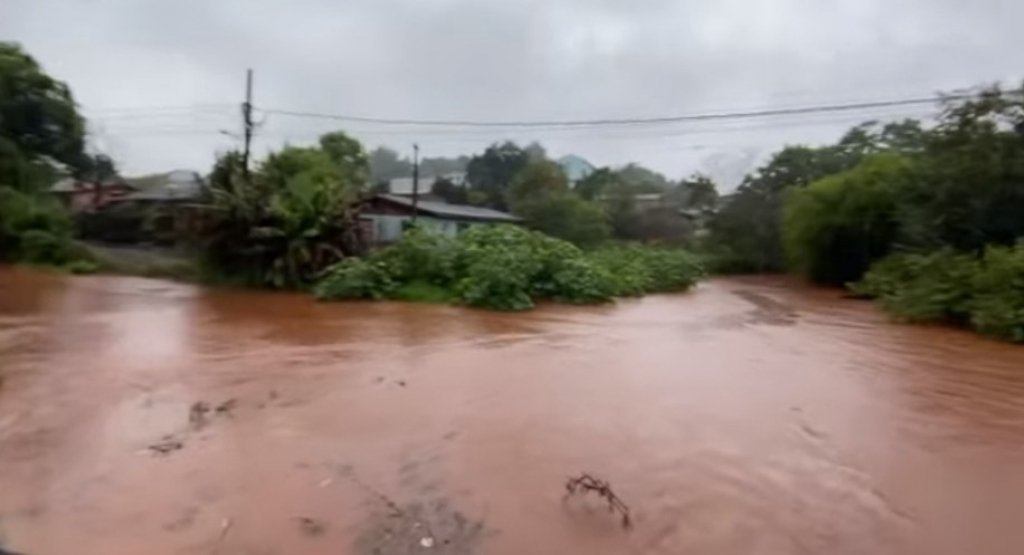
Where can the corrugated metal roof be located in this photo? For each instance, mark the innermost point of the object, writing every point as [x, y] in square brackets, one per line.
[172, 185]
[454, 211]
[70, 185]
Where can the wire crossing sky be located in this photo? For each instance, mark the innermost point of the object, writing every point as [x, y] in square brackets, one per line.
[677, 85]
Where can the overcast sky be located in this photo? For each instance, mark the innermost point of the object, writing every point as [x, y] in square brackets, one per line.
[160, 80]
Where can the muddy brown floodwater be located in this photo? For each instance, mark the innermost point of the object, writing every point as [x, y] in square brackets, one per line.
[750, 416]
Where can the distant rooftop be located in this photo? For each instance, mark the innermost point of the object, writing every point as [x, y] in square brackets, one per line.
[575, 167]
[172, 185]
[453, 211]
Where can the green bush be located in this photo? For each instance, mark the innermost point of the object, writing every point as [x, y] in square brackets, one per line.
[997, 308]
[355, 278]
[497, 266]
[636, 270]
[420, 256]
[422, 292]
[42, 247]
[986, 293]
[33, 229]
[506, 267]
[923, 287]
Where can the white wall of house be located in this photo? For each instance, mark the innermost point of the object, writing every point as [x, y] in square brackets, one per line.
[388, 228]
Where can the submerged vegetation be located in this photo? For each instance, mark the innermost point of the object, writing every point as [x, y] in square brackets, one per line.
[985, 293]
[506, 267]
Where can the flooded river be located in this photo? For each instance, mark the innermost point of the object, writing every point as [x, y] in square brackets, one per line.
[751, 416]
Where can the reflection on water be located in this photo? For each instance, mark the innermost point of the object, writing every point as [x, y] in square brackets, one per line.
[750, 416]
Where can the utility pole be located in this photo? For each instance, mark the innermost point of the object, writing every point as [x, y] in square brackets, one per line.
[415, 179]
[247, 123]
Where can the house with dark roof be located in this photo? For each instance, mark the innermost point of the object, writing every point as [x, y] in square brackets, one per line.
[384, 217]
[78, 195]
[175, 186]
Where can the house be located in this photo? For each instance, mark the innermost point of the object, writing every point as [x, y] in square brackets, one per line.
[576, 168]
[383, 217]
[80, 196]
[175, 186]
[156, 209]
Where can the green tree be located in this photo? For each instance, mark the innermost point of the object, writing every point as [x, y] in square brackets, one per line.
[594, 185]
[540, 195]
[975, 172]
[836, 227]
[292, 219]
[539, 179]
[38, 115]
[40, 129]
[449, 191]
[349, 158]
[566, 216]
[492, 172]
[695, 192]
[747, 227]
[385, 165]
[641, 179]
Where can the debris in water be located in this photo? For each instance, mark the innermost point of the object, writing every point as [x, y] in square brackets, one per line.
[401, 383]
[311, 526]
[197, 414]
[585, 482]
[166, 445]
[227, 406]
[427, 542]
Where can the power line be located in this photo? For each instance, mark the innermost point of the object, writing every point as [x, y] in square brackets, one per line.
[713, 116]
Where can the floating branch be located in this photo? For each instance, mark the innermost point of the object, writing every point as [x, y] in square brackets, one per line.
[585, 482]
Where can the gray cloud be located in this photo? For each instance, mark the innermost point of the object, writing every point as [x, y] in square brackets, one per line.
[530, 59]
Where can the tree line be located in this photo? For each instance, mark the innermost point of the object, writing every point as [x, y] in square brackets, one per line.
[929, 218]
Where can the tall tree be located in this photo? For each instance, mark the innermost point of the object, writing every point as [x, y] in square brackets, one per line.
[449, 191]
[348, 156]
[540, 195]
[38, 119]
[697, 191]
[386, 164]
[492, 172]
[594, 185]
[539, 179]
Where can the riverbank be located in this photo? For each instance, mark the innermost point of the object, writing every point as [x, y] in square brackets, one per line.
[807, 422]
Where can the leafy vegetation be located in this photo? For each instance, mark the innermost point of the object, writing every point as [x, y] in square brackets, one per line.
[836, 227]
[40, 132]
[291, 219]
[506, 268]
[986, 293]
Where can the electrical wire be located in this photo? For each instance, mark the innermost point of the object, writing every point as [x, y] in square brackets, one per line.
[606, 122]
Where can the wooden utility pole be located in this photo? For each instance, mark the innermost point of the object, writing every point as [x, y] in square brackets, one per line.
[415, 179]
[247, 123]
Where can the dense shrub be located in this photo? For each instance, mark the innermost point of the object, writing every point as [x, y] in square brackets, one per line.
[506, 268]
[986, 293]
[420, 256]
[635, 270]
[34, 229]
[997, 307]
[355, 278]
